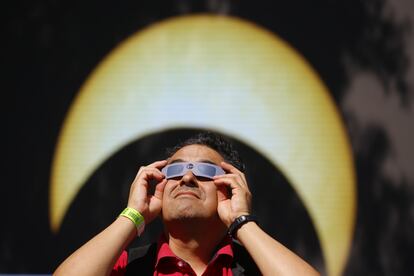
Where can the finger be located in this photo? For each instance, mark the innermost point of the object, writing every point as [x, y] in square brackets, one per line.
[139, 171]
[159, 189]
[152, 173]
[148, 173]
[227, 181]
[233, 177]
[230, 168]
[233, 185]
[158, 164]
[228, 175]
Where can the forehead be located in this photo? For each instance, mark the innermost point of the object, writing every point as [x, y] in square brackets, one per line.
[197, 153]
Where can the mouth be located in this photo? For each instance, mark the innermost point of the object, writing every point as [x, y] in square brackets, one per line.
[186, 194]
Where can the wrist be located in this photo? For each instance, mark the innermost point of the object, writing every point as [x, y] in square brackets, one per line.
[129, 225]
[233, 218]
[135, 217]
[239, 222]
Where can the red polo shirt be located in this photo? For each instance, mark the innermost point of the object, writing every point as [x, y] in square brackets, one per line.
[169, 264]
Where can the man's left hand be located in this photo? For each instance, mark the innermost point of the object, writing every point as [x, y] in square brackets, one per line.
[238, 203]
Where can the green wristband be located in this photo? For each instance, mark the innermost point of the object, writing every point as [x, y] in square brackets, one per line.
[135, 217]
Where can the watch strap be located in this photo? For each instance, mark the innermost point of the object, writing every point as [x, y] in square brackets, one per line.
[239, 222]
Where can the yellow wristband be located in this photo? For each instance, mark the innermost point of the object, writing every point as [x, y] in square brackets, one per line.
[135, 217]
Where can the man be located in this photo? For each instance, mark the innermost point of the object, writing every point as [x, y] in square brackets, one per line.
[204, 200]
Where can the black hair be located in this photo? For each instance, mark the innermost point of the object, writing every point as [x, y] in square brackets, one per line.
[216, 142]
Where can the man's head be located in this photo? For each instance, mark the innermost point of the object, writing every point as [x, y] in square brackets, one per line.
[190, 196]
[216, 142]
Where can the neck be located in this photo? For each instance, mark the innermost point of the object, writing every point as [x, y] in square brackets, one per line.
[195, 241]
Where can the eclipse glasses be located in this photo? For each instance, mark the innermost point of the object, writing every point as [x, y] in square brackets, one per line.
[197, 168]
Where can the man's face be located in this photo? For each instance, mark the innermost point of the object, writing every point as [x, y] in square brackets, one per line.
[188, 196]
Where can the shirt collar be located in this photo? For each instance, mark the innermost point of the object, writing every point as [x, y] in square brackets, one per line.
[164, 251]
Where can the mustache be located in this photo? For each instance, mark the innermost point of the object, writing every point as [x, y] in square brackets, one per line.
[187, 190]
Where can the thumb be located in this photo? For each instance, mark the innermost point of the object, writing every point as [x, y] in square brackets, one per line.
[159, 189]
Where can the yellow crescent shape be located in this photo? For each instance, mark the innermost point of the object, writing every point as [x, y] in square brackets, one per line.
[226, 74]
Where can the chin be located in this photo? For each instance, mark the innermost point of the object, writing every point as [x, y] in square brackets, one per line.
[184, 212]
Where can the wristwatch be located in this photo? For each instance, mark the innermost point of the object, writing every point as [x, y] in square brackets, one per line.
[238, 222]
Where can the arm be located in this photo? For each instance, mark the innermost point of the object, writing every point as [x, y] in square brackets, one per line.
[98, 256]
[270, 256]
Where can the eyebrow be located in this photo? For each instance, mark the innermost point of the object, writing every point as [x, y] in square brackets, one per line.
[207, 161]
[176, 161]
[201, 161]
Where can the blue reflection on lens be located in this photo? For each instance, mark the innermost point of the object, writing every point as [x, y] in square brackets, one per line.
[207, 170]
[174, 169]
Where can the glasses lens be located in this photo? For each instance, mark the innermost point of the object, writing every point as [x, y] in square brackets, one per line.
[174, 170]
[207, 170]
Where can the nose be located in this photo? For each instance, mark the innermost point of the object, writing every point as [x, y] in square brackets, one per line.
[189, 179]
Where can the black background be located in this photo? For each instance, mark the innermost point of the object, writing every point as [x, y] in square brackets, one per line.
[50, 47]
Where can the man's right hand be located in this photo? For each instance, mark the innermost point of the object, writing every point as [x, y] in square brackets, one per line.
[148, 205]
[98, 256]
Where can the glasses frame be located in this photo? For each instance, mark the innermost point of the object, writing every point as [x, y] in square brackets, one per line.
[194, 167]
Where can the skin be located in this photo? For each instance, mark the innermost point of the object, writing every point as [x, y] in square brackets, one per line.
[188, 205]
[189, 197]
